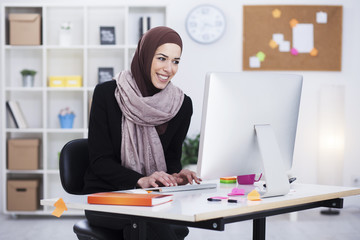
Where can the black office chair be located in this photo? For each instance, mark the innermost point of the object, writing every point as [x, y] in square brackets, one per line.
[74, 160]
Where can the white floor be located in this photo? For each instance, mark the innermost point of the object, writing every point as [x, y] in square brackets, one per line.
[310, 225]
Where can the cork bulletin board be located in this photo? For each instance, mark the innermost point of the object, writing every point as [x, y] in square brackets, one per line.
[281, 37]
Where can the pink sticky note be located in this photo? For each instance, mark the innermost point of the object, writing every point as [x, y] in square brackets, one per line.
[294, 52]
[236, 192]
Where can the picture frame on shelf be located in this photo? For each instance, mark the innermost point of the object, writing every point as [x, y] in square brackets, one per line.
[107, 35]
[105, 74]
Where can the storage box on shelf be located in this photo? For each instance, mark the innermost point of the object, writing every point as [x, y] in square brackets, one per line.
[25, 29]
[23, 154]
[70, 45]
[22, 195]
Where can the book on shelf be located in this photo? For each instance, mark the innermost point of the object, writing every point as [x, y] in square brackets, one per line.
[144, 25]
[16, 114]
[129, 199]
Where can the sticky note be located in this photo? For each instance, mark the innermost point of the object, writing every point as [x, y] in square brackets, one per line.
[273, 44]
[293, 22]
[261, 56]
[253, 196]
[278, 37]
[303, 37]
[276, 13]
[314, 52]
[284, 46]
[254, 62]
[60, 207]
[294, 51]
[321, 17]
[228, 180]
[236, 192]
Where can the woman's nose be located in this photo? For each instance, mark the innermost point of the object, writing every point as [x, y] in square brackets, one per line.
[167, 66]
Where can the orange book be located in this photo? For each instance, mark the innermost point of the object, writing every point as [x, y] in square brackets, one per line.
[130, 199]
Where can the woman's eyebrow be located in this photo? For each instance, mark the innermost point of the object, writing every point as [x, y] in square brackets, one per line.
[165, 56]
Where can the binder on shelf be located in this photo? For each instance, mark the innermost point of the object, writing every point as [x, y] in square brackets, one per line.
[144, 25]
[129, 199]
[16, 114]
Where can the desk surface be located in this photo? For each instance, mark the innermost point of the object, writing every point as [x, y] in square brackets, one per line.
[192, 206]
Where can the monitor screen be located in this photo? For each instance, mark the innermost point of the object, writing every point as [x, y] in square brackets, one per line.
[236, 107]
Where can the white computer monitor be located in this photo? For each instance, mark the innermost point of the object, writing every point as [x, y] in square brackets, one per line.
[249, 124]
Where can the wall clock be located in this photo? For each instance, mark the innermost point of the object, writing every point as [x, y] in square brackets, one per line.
[206, 24]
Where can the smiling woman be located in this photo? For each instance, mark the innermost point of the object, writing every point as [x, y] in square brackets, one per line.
[165, 64]
[138, 122]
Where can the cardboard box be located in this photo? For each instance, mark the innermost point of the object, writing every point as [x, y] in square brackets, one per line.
[73, 81]
[23, 154]
[22, 195]
[57, 81]
[25, 29]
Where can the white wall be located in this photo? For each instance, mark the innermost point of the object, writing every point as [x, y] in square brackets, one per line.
[226, 55]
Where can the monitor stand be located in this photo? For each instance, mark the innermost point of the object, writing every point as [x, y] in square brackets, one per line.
[277, 182]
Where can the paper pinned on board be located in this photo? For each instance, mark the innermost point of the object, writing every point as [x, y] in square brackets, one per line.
[321, 17]
[303, 37]
[254, 62]
[284, 46]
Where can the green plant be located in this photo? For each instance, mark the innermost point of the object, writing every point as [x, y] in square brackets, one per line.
[27, 72]
[190, 150]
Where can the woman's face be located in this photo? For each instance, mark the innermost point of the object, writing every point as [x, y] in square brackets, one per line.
[165, 64]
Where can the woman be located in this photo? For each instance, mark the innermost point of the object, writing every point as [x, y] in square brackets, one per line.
[139, 121]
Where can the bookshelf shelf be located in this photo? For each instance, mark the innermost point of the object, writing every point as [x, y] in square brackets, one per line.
[82, 56]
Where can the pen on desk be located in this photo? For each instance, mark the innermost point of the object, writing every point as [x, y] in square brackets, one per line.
[214, 199]
[232, 200]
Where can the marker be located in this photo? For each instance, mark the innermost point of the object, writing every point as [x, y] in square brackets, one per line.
[232, 200]
[214, 199]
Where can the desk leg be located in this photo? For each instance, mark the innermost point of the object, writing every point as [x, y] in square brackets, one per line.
[259, 229]
[138, 230]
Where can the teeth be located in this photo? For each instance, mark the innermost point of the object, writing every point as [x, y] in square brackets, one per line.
[163, 77]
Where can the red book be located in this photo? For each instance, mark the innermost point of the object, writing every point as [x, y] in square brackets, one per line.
[129, 199]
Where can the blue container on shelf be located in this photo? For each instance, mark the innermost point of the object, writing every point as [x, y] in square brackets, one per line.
[67, 120]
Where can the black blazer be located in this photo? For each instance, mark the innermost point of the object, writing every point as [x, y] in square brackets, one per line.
[105, 172]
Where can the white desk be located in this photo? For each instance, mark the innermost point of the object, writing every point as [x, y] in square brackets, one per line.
[192, 209]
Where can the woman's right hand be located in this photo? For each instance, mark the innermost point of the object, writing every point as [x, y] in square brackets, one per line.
[157, 179]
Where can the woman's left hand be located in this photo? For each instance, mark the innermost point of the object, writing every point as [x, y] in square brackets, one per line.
[186, 176]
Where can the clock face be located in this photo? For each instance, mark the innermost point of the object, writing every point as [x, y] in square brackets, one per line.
[205, 24]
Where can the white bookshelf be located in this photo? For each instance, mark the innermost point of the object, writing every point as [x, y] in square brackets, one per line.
[41, 103]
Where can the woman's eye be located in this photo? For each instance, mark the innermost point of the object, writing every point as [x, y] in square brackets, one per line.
[161, 58]
[176, 61]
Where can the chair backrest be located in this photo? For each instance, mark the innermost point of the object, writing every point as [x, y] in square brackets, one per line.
[74, 160]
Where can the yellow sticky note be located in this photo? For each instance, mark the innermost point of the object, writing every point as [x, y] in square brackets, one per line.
[60, 207]
[276, 13]
[273, 44]
[254, 196]
[314, 52]
[293, 22]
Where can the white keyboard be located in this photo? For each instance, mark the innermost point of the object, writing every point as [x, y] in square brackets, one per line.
[187, 187]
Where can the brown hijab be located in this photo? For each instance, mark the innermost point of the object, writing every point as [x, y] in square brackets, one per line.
[141, 63]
